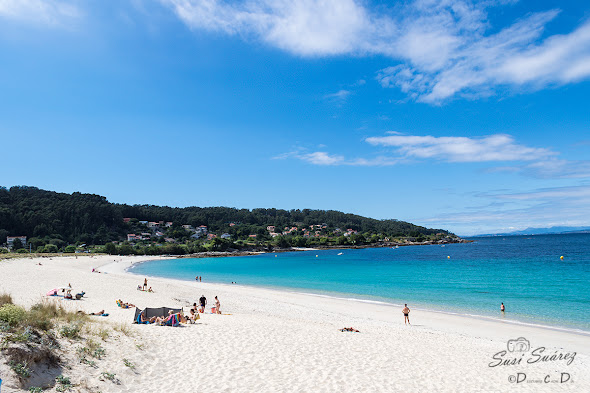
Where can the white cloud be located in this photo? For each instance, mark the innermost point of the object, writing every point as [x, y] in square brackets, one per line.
[339, 96]
[326, 159]
[39, 11]
[550, 195]
[305, 27]
[461, 149]
[537, 208]
[444, 47]
[553, 168]
[529, 161]
[322, 158]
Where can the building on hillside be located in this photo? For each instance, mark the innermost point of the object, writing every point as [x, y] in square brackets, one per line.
[252, 236]
[11, 239]
[131, 237]
[126, 219]
[143, 222]
[226, 236]
[168, 224]
[196, 235]
[211, 236]
[169, 240]
[188, 227]
[153, 224]
[270, 228]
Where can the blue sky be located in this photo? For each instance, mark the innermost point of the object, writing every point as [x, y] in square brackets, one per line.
[468, 116]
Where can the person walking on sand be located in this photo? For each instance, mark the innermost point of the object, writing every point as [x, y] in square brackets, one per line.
[406, 312]
[217, 304]
[145, 283]
[502, 308]
[203, 303]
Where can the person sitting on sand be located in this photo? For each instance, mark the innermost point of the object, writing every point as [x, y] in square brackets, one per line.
[150, 290]
[143, 319]
[406, 312]
[193, 316]
[68, 295]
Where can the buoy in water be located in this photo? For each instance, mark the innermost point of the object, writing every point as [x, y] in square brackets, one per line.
[561, 257]
[448, 257]
[316, 256]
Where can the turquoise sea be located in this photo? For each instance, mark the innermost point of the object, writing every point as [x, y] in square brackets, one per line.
[524, 272]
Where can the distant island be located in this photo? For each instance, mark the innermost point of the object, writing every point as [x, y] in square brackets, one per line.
[541, 231]
[41, 221]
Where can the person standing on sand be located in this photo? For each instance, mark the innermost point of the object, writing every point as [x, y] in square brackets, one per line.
[406, 312]
[502, 308]
[217, 305]
[203, 302]
[199, 278]
[145, 283]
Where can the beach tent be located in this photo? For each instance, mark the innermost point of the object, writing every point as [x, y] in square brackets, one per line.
[154, 312]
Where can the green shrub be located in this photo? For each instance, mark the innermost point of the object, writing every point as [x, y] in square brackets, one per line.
[63, 383]
[20, 369]
[70, 249]
[35, 389]
[128, 363]
[12, 314]
[22, 251]
[50, 248]
[109, 376]
[71, 331]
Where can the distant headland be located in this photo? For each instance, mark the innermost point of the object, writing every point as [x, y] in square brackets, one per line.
[40, 221]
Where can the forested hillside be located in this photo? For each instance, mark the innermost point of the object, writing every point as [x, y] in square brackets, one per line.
[60, 218]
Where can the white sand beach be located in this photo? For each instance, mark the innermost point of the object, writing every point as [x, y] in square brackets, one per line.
[278, 341]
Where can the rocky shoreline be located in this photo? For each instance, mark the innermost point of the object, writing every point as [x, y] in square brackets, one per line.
[263, 249]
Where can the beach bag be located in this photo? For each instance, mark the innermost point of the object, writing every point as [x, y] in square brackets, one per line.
[213, 310]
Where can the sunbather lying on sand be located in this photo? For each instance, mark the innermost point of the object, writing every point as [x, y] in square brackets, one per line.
[124, 305]
[349, 329]
[100, 313]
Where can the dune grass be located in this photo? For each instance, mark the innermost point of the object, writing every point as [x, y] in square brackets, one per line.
[5, 299]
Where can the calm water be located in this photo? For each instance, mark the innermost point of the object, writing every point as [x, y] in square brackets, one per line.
[526, 273]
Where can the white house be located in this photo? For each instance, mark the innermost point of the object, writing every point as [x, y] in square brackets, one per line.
[11, 239]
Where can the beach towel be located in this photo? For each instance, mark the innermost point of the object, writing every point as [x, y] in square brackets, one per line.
[172, 320]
